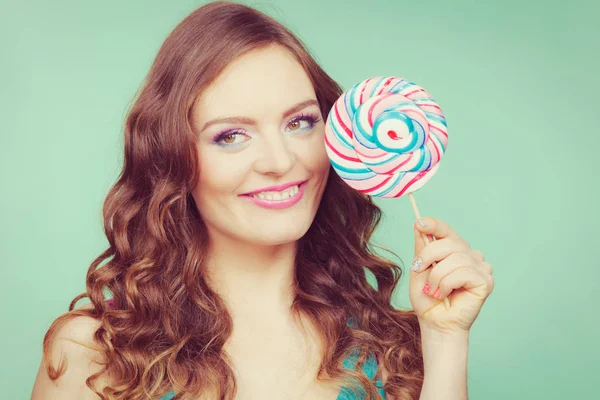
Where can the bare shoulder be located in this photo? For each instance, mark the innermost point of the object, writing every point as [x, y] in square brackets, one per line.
[73, 343]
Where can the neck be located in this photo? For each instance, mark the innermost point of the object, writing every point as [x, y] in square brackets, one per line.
[253, 280]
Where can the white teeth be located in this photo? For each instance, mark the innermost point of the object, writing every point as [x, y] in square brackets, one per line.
[278, 196]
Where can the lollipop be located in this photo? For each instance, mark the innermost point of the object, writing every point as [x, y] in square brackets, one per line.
[385, 137]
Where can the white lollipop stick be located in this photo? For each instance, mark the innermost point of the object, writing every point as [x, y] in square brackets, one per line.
[426, 238]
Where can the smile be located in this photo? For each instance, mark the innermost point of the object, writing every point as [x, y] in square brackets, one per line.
[278, 195]
[278, 199]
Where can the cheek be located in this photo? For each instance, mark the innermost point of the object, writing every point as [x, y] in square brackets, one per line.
[316, 156]
[217, 176]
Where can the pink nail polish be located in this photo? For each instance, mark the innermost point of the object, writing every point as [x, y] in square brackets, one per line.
[436, 294]
[426, 288]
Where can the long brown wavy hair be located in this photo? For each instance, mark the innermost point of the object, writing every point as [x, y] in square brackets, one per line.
[164, 328]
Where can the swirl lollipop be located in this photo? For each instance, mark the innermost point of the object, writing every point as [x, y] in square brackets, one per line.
[385, 137]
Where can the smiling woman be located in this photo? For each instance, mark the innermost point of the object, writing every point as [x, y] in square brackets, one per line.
[237, 259]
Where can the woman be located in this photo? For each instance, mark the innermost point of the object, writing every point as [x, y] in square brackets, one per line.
[237, 258]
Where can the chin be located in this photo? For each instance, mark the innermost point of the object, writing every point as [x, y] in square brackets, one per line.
[276, 236]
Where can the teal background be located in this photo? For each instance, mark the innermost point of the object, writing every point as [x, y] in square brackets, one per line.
[517, 80]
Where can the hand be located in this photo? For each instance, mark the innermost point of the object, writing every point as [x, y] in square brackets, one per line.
[461, 274]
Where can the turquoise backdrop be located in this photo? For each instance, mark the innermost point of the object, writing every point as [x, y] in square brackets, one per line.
[517, 80]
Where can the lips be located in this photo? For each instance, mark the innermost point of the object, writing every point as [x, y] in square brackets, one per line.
[278, 204]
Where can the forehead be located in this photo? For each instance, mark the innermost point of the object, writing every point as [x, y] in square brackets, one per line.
[259, 84]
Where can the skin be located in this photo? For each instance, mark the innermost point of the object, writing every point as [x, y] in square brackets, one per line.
[462, 274]
[251, 253]
[252, 249]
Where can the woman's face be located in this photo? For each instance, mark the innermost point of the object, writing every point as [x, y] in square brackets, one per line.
[259, 125]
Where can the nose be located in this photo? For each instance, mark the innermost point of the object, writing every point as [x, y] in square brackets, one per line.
[275, 157]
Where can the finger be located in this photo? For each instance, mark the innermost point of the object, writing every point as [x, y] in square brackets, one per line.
[436, 227]
[448, 265]
[478, 255]
[437, 251]
[420, 241]
[467, 278]
[485, 268]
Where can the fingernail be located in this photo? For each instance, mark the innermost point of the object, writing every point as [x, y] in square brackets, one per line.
[426, 288]
[436, 294]
[416, 264]
[422, 222]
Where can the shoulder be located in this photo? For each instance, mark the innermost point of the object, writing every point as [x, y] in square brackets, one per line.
[71, 343]
[79, 329]
[77, 333]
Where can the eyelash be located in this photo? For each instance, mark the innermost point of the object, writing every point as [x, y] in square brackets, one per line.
[312, 119]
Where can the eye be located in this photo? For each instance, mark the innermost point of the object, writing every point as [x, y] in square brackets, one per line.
[229, 138]
[296, 123]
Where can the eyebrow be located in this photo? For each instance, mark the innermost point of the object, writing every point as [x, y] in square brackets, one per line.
[250, 121]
